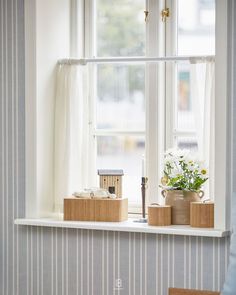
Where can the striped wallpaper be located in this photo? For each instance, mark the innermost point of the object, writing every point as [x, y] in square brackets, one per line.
[70, 261]
[47, 261]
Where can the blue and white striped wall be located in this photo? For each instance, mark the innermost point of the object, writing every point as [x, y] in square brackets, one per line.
[84, 262]
[45, 261]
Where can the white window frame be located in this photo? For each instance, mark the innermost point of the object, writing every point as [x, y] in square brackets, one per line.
[154, 31]
[223, 125]
[223, 121]
[172, 132]
[89, 41]
[155, 100]
[159, 127]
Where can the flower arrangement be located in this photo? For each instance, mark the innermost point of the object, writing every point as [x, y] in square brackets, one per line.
[183, 172]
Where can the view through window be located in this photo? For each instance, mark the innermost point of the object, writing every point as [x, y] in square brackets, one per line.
[120, 88]
[120, 103]
[195, 36]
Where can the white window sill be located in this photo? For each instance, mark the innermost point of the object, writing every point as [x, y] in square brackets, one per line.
[125, 226]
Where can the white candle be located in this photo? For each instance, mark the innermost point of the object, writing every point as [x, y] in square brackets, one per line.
[143, 167]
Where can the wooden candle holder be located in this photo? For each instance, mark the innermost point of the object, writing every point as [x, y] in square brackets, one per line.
[202, 214]
[159, 215]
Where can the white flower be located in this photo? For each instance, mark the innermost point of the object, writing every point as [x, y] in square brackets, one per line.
[175, 155]
[183, 164]
[192, 165]
[175, 172]
[203, 170]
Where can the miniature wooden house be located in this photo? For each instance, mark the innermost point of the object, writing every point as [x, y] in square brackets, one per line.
[112, 181]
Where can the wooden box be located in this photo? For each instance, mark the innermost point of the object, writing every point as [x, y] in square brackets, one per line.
[159, 215]
[78, 209]
[202, 214]
[176, 291]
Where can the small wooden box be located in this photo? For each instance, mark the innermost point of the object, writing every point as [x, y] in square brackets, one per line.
[159, 215]
[202, 214]
[110, 210]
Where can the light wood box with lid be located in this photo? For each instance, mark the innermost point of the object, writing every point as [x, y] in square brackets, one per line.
[83, 209]
[202, 214]
[159, 215]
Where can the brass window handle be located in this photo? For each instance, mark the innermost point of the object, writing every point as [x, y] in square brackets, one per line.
[165, 13]
[146, 15]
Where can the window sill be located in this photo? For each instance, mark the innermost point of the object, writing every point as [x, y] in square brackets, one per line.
[125, 226]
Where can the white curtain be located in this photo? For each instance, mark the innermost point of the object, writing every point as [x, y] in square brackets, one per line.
[203, 93]
[71, 145]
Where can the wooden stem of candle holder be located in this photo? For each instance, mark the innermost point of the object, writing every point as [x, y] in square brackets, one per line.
[143, 191]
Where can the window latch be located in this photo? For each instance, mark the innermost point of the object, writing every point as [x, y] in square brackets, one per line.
[146, 15]
[164, 14]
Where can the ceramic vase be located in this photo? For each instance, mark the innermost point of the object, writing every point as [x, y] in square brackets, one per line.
[180, 200]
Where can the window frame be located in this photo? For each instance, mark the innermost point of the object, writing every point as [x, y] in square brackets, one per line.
[154, 136]
[224, 138]
[172, 132]
[164, 45]
[156, 106]
[90, 45]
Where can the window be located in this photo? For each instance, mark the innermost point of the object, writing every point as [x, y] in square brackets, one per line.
[187, 31]
[167, 92]
[129, 112]
[119, 91]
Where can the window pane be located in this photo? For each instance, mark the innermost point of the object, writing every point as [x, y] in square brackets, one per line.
[123, 152]
[189, 143]
[120, 28]
[120, 97]
[184, 113]
[196, 27]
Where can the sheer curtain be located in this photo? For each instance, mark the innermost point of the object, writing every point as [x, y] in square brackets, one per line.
[71, 145]
[203, 93]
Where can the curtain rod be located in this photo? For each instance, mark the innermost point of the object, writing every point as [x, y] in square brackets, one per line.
[84, 61]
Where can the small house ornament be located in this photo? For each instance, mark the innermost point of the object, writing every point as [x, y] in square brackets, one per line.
[111, 180]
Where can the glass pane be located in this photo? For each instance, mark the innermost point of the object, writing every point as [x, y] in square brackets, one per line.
[123, 152]
[189, 143]
[120, 97]
[120, 28]
[185, 115]
[196, 27]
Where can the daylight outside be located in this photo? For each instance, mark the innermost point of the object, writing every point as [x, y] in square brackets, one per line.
[120, 103]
